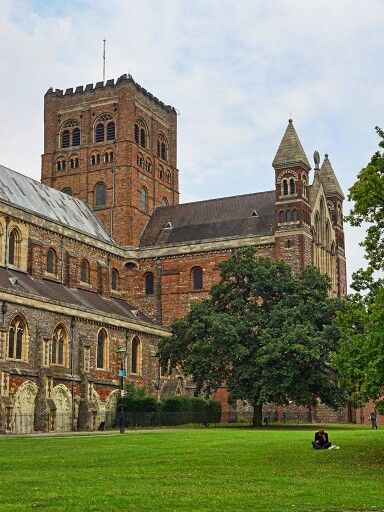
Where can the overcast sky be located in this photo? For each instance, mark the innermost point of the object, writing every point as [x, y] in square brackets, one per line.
[235, 71]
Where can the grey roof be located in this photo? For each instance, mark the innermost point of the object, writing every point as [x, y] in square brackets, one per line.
[228, 217]
[28, 194]
[290, 151]
[329, 180]
[57, 292]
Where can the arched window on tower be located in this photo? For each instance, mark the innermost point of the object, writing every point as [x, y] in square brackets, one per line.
[51, 262]
[284, 187]
[102, 349]
[76, 137]
[197, 278]
[65, 139]
[137, 133]
[100, 194]
[282, 217]
[136, 356]
[99, 132]
[143, 199]
[84, 272]
[292, 186]
[18, 339]
[149, 283]
[111, 130]
[304, 184]
[59, 347]
[164, 202]
[162, 147]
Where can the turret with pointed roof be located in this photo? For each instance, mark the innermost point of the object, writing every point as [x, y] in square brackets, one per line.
[290, 152]
[329, 180]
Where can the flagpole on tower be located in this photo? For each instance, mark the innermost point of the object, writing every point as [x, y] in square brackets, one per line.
[103, 61]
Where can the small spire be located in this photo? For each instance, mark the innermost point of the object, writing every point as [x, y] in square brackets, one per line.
[290, 151]
[329, 180]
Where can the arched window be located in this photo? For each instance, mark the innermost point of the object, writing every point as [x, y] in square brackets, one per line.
[59, 346]
[111, 130]
[289, 216]
[100, 194]
[84, 271]
[14, 249]
[162, 151]
[51, 262]
[143, 199]
[67, 191]
[292, 186]
[136, 356]
[65, 139]
[143, 138]
[137, 133]
[164, 202]
[282, 217]
[149, 166]
[149, 283]
[140, 160]
[285, 187]
[168, 177]
[114, 279]
[76, 137]
[102, 349]
[18, 338]
[304, 187]
[327, 236]
[161, 173]
[197, 278]
[99, 132]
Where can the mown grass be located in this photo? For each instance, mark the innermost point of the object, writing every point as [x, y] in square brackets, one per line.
[272, 469]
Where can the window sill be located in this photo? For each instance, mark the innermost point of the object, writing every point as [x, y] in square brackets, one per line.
[100, 207]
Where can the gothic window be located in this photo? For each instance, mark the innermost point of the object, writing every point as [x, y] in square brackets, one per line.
[285, 187]
[14, 247]
[149, 283]
[304, 187]
[292, 186]
[164, 202]
[17, 338]
[149, 166]
[76, 137]
[161, 173]
[67, 191]
[84, 271]
[102, 349]
[59, 347]
[327, 236]
[99, 132]
[143, 138]
[282, 217]
[136, 356]
[115, 279]
[100, 194]
[137, 133]
[51, 261]
[140, 160]
[162, 151]
[65, 139]
[197, 278]
[141, 131]
[143, 199]
[111, 130]
[168, 177]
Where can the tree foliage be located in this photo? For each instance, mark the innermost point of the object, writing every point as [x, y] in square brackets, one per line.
[360, 358]
[265, 332]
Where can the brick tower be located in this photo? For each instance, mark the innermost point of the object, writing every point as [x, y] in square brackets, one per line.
[114, 146]
[292, 208]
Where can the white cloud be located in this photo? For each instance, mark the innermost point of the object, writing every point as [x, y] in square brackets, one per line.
[235, 69]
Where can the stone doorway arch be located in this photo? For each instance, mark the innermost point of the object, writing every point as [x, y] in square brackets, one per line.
[24, 408]
[63, 414]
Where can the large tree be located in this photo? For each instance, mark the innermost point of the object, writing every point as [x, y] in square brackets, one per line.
[265, 332]
[360, 358]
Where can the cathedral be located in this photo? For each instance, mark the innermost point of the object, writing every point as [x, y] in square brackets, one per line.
[99, 258]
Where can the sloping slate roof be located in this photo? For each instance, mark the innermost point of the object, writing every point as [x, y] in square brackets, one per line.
[290, 150]
[77, 298]
[47, 202]
[329, 180]
[216, 218]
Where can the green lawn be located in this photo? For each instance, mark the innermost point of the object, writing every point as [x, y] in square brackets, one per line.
[223, 469]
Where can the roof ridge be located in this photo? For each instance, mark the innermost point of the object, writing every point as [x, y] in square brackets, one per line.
[218, 199]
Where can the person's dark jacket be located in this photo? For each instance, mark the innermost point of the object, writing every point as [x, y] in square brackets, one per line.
[321, 439]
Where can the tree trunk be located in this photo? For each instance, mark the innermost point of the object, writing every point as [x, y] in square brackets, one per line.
[257, 420]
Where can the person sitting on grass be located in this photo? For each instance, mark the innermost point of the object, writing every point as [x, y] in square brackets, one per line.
[321, 441]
